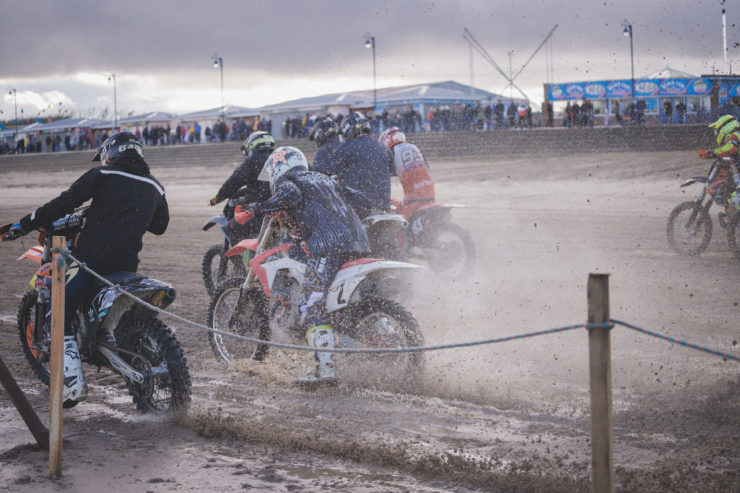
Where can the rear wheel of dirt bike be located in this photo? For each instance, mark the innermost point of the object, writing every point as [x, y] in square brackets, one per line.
[733, 234]
[380, 323]
[238, 312]
[216, 267]
[449, 249]
[166, 387]
[689, 228]
[36, 344]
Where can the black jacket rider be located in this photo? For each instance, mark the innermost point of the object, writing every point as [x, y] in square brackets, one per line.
[325, 153]
[127, 202]
[363, 164]
[246, 175]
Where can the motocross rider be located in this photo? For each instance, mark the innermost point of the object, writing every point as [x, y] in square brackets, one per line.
[127, 201]
[332, 233]
[411, 169]
[326, 134]
[361, 163]
[728, 139]
[257, 147]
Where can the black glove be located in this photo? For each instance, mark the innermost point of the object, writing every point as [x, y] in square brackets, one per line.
[14, 232]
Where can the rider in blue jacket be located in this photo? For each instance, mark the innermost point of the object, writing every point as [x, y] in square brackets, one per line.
[332, 232]
[361, 163]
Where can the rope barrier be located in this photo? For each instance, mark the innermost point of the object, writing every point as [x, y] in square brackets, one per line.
[691, 345]
[413, 349]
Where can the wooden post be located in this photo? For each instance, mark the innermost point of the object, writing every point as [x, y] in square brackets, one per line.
[56, 366]
[599, 355]
[38, 430]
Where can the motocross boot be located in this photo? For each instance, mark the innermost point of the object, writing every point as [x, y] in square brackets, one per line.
[320, 336]
[75, 388]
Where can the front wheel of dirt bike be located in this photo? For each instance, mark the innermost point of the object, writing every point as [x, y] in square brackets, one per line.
[166, 386]
[733, 234]
[449, 250]
[240, 312]
[380, 323]
[216, 267]
[689, 228]
[36, 344]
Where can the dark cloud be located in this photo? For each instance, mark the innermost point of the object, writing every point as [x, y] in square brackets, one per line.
[161, 49]
[310, 38]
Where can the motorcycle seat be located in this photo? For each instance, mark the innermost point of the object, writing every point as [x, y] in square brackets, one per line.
[123, 277]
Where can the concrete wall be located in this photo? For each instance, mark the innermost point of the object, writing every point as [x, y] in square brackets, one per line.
[448, 145]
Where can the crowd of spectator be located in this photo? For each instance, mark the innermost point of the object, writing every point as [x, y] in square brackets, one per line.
[579, 115]
[479, 116]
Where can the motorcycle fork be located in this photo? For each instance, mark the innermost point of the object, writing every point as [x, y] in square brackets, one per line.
[699, 206]
[39, 324]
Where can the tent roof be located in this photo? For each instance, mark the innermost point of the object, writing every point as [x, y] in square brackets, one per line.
[157, 116]
[229, 110]
[449, 92]
[669, 73]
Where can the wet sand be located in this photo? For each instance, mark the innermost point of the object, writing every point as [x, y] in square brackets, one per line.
[505, 417]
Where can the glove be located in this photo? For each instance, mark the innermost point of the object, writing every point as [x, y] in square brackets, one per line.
[242, 216]
[706, 154]
[214, 200]
[15, 232]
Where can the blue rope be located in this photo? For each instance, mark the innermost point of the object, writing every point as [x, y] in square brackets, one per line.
[296, 347]
[691, 345]
[414, 349]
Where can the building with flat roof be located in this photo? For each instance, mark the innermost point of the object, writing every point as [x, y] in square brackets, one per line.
[660, 92]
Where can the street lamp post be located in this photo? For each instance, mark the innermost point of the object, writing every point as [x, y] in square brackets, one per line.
[370, 43]
[218, 62]
[628, 32]
[15, 102]
[115, 102]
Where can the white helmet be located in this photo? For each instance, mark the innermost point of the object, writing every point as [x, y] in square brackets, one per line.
[282, 160]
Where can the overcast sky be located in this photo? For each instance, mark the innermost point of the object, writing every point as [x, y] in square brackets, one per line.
[161, 51]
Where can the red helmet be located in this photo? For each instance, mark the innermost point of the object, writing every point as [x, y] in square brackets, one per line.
[392, 136]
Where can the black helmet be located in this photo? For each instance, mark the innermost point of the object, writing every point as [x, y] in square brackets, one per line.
[323, 130]
[122, 144]
[258, 140]
[355, 124]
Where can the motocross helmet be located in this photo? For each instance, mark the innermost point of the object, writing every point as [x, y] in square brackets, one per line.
[392, 136]
[258, 140]
[282, 160]
[122, 144]
[724, 126]
[323, 130]
[354, 125]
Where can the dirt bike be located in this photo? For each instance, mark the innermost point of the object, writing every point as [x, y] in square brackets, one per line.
[733, 233]
[145, 353]
[264, 305]
[689, 227]
[432, 236]
[216, 266]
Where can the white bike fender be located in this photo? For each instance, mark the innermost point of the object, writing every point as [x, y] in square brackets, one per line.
[296, 269]
[372, 220]
[347, 280]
